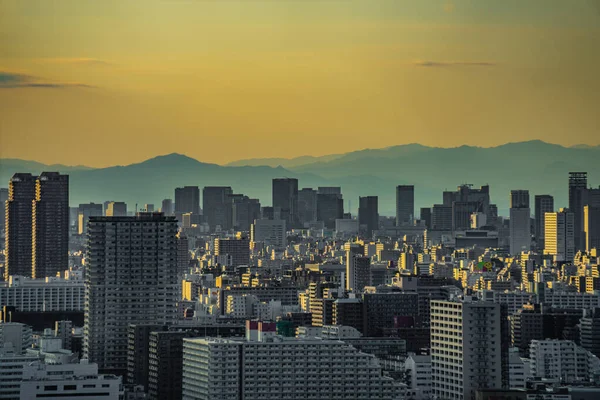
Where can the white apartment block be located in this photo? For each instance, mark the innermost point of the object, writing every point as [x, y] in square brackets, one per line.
[11, 371]
[561, 299]
[518, 370]
[466, 350]
[65, 381]
[562, 359]
[419, 368]
[514, 300]
[48, 294]
[269, 367]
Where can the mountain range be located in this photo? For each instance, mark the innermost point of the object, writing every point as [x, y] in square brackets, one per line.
[540, 167]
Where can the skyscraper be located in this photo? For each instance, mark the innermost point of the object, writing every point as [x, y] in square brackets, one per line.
[468, 348]
[520, 224]
[84, 212]
[560, 235]
[368, 214]
[307, 205]
[591, 227]
[167, 207]
[425, 216]
[405, 204]
[285, 198]
[187, 200]
[130, 278]
[244, 211]
[543, 204]
[330, 206]
[441, 217]
[577, 200]
[50, 226]
[3, 199]
[21, 194]
[116, 209]
[216, 206]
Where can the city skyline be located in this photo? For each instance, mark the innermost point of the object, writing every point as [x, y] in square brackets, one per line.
[328, 73]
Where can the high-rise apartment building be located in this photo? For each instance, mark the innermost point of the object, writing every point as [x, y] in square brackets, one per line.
[116, 209]
[216, 205]
[468, 351]
[358, 272]
[130, 278]
[285, 198]
[543, 204]
[405, 204]
[368, 214]
[591, 227]
[307, 205]
[84, 212]
[237, 249]
[560, 235]
[577, 200]
[270, 367]
[19, 206]
[520, 222]
[187, 200]
[50, 226]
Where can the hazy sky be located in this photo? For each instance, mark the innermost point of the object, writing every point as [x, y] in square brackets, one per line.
[114, 82]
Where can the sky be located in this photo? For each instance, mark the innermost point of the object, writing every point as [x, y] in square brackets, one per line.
[111, 82]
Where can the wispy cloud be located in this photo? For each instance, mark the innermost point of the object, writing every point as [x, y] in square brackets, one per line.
[76, 61]
[446, 64]
[12, 80]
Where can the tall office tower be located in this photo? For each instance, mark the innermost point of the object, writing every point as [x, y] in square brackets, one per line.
[50, 226]
[187, 200]
[560, 235]
[216, 206]
[468, 351]
[307, 205]
[167, 207]
[368, 214]
[520, 222]
[466, 194]
[591, 227]
[116, 209]
[461, 214]
[244, 211]
[226, 369]
[3, 199]
[441, 218]
[544, 203]
[285, 198]
[237, 249]
[425, 216]
[405, 204]
[130, 278]
[358, 272]
[271, 232]
[21, 194]
[330, 205]
[577, 200]
[84, 213]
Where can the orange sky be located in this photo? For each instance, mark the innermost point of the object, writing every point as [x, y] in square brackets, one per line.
[115, 82]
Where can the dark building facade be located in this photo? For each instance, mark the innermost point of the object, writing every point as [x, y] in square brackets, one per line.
[18, 211]
[307, 205]
[426, 216]
[543, 203]
[577, 199]
[216, 205]
[368, 214]
[330, 206]
[285, 199]
[381, 310]
[405, 204]
[187, 200]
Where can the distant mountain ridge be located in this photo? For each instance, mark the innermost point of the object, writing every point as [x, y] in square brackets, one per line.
[535, 165]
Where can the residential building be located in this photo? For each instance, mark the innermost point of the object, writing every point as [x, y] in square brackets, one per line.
[560, 235]
[48, 294]
[563, 360]
[358, 272]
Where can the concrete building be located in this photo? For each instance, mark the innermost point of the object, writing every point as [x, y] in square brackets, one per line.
[381, 310]
[187, 200]
[266, 366]
[467, 350]
[560, 235]
[271, 232]
[368, 215]
[577, 199]
[167, 207]
[418, 368]
[358, 272]
[131, 278]
[590, 331]
[18, 212]
[591, 227]
[307, 205]
[564, 360]
[543, 204]
[84, 212]
[12, 364]
[441, 217]
[237, 249]
[48, 294]
[330, 206]
[285, 199]
[216, 206]
[17, 334]
[405, 204]
[116, 209]
[520, 224]
[3, 199]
